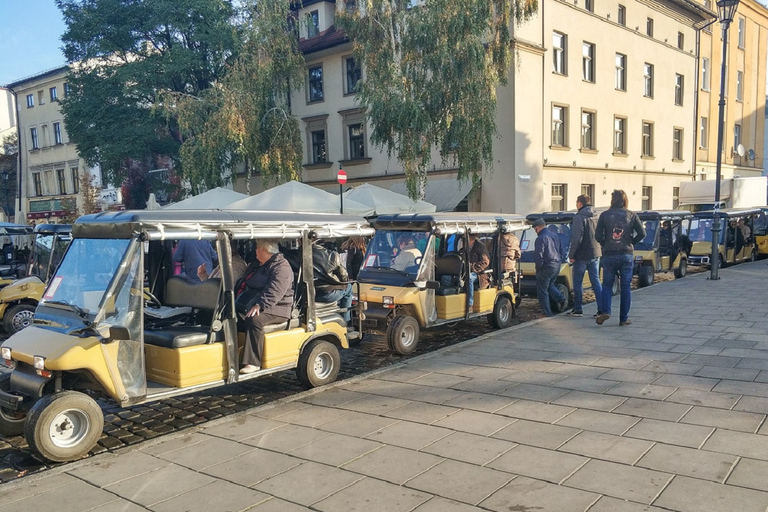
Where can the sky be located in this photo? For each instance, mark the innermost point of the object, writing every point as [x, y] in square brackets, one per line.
[30, 32]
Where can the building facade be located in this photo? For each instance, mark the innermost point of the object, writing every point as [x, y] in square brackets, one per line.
[50, 168]
[7, 114]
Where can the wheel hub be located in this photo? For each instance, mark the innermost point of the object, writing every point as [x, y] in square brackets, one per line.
[323, 365]
[68, 428]
[23, 319]
[407, 336]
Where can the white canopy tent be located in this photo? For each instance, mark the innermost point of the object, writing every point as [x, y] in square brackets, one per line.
[299, 197]
[385, 201]
[214, 199]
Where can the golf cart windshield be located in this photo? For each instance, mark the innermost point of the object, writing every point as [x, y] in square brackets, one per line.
[700, 230]
[647, 243]
[397, 252]
[46, 254]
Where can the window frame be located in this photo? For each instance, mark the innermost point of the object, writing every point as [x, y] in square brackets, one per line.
[312, 125]
[742, 32]
[588, 130]
[648, 84]
[646, 150]
[37, 181]
[319, 148]
[736, 136]
[58, 140]
[350, 118]
[75, 173]
[706, 74]
[561, 52]
[621, 15]
[562, 194]
[588, 58]
[649, 26]
[679, 89]
[620, 135]
[348, 88]
[61, 180]
[681, 41]
[675, 197]
[621, 72]
[30, 100]
[704, 132]
[313, 23]
[678, 134]
[589, 5]
[563, 123]
[34, 138]
[311, 80]
[739, 86]
[646, 198]
[53, 93]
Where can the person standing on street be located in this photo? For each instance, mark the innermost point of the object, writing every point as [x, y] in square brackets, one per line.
[584, 254]
[547, 258]
[618, 230]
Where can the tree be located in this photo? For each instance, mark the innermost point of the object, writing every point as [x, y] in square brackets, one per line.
[246, 117]
[9, 154]
[90, 191]
[124, 54]
[431, 73]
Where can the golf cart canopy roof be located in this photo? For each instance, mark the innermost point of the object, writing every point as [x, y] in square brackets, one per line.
[452, 222]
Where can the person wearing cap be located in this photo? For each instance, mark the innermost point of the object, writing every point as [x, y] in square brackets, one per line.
[547, 258]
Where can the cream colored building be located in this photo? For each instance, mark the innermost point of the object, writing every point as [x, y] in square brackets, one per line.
[745, 89]
[50, 170]
[7, 115]
[601, 96]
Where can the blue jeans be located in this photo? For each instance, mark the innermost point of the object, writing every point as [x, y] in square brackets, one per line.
[546, 277]
[621, 264]
[472, 281]
[343, 297]
[578, 270]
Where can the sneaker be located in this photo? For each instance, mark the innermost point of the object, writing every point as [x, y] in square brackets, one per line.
[626, 322]
[563, 305]
[575, 314]
[249, 368]
[602, 317]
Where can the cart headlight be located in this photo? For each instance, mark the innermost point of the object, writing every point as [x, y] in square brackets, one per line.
[5, 353]
[389, 302]
[38, 362]
[638, 258]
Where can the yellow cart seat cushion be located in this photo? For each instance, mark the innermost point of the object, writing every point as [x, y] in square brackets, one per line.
[180, 337]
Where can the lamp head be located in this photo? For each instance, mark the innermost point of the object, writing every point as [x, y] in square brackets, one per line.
[726, 9]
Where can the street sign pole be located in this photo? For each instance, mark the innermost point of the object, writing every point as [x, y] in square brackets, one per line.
[342, 179]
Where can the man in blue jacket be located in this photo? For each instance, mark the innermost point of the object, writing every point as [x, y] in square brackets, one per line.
[547, 258]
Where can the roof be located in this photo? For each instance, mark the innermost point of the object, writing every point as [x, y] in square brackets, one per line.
[206, 224]
[326, 39]
[53, 228]
[451, 222]
[727, 212]
[558, 217]
[38, 76]
[664, 214]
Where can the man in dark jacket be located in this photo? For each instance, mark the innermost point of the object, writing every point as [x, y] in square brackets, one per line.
[331, 279]
[268, 287]
[547, 258]
[618, 230]
[584, 254]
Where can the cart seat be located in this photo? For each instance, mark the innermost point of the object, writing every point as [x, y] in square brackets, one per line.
[448, 273]
[181, 336]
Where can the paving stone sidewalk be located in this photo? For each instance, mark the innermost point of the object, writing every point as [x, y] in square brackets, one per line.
[555, 415]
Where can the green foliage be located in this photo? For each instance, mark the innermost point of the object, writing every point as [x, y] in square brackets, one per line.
[246, 117]
[431, 73]
[125, 54]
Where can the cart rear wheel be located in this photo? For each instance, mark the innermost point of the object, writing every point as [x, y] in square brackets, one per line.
[682, 269]
[502, 315]
[403, 335]
[319, 364]
[559, 308]
[11, 422]
[64, 426]
[18, 317]
[645, 276]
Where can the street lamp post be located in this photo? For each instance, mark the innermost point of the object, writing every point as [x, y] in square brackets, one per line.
[6, 175]
[726, 9]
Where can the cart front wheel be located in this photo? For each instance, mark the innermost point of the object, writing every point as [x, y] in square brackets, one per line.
[403, 335]
[64, 426]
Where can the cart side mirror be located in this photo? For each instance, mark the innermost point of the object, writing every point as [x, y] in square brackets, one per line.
[118, 332]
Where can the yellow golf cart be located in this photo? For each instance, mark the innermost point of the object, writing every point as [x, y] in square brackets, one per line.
[665, 248]
[425, 282]
[19, 299]
[114, 323]
[760, 232]
[733, 246]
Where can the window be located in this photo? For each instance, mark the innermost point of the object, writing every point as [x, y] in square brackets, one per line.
[559, 122]
[30, 100]
[319, 154]
[646, 191]
[708, 5]
[67, 89]
[75, 181]
[54, 95]
[353, 74]
[677, 144]
[588, 129]
[40, 97]
[622, 17]
[62, 181]
[648, 80]
[620, 135]
[589, 5]
[57, 133]
[315, 84]
[647, 139]
[675, 197]
[37, 180]
[588, 189]
[588, 62]
[736, 136]
[559, 53]
[33, 134]
[649, 27]
[313, 24]
[621, 72]
[679, 88]
[680, 41]
[559, 202]
[356, 141]
[740, 86]
[44, 140]
[704, 133]
[705, 74]
[742, 27]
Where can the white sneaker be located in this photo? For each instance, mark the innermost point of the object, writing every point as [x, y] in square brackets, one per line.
[249, 368]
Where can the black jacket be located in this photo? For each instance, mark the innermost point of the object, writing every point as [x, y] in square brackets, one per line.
[330, 274]
[547, 249]
[618, 230]
[269, 285]
[584, 247]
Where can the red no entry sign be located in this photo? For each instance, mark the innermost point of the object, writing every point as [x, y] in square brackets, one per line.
[341, 177]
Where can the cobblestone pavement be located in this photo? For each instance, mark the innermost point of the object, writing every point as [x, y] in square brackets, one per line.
[124, 427]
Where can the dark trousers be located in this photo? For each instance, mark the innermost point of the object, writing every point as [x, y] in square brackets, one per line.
[254, 341]
[546, 277]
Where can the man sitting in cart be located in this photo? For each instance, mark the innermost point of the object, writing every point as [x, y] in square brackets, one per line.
[264, 295]
[407, 253]
[331, 279]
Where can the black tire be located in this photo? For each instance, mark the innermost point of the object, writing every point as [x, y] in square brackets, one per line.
[18, 317]
[319, 364]
[556, 307]
[11, 422]
[753, 256]
[403, 335]
[503, 313]
[64, 426]
[682, 269]
[616, 287]
[645, 276]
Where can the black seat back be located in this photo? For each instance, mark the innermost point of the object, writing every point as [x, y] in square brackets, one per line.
[203, 295]
[449, 264]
